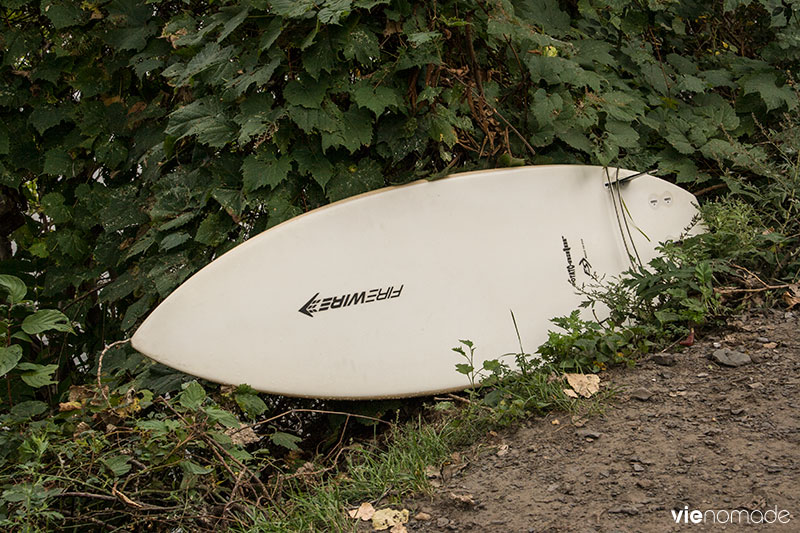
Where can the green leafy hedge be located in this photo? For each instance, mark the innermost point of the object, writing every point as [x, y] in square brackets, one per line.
[141, 139]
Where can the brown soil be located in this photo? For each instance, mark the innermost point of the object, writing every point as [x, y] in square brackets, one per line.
[710, 437]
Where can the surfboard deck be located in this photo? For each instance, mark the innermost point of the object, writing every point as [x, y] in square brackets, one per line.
[365, 298]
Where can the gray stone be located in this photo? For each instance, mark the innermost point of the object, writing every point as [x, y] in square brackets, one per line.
[762, 340]
[637, 467]
[641, 394]
[625, 509]
[665, 359]
[588, 434]
[732, 358]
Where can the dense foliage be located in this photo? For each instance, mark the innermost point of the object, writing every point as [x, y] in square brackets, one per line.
[139, 139]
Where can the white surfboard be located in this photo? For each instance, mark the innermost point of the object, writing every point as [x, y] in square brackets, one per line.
[365, 298]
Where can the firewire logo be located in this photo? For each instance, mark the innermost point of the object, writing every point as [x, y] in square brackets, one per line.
[736, 516]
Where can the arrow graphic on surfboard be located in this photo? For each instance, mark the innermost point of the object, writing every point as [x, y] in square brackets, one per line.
[316, 304]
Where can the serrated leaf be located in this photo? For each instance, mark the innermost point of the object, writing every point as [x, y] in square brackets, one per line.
[45, 117]
[62, 13]
[353, 132]
[195, 469]
[232, 23]
[250, 403]
[285, 440]
[173, 240]
[362, 46]
[204, 118]
[464, 368]
[264, 170]
[227, 419]
[774, 96]
[29, 409]
[291, 8]
[119, 465]
[37, 375]
[351, 180]
[192, 396]
[9, 357]
[622, 106]
[376, 99]
[310, 160]
[46, 320]
[14, 287]
[306, 91]
[136, 310]
[213, 230]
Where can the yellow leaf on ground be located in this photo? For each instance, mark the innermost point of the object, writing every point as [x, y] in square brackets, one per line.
[364, 512]
[571, 393]
[587, 385]
[386, 518]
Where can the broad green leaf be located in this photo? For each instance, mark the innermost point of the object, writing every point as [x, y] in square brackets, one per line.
[264, 170]
[774, 96]
[250, 403]
[204, 118]
[136, 311]
[362, 45]
[46, 320]
[227, 419]
[351, 180]
[37, 375]
[285, 440]
[29, 409]
[9, 357]
[192, 396]
[62, 13]
[376, 99]
[195, 469]
[173, 240]
[306, 92]
[119, 465]
[291, 8]
[14, 287]
[213, 230]
[45, 117]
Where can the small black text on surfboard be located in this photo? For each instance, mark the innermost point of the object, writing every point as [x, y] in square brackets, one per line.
[317, 304]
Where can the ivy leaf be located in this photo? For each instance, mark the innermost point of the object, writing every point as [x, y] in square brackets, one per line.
[9, 357]
[14, 287]
[46, 320]
[213, 230]
[37, 375]
[285, 440]
[772, 95]
[351, 180]
[204, 118]
[376, 99]
[264, 170]
[192, 396]
[62, 14]
[306, 91]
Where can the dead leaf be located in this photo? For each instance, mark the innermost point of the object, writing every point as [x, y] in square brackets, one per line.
[587, 385]
[792, 296]
[243, 436]
[555, 422]
[503, 450]
[69, 406]
[386, 518]
[422, 516]
[398, 528]
[80, 428]
[463, 498]
[78, 393]
[365, 512]
[770, 345]
[571, 393]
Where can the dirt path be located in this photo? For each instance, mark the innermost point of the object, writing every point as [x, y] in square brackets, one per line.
[708, 438]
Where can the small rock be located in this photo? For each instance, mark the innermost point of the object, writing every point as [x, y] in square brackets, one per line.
[665, 359]
[737, 412]
[625, 509]
[637, 467]
[645, 484]
[755, 385]
[442, 522]
[762, 340]
[770, 345]
[641, 394]
[422, 517]
[732, 358]
[702, 375]
[773, 469]
[716, 344]
[588, 434]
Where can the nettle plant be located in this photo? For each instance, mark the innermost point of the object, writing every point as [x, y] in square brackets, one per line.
[25, 363]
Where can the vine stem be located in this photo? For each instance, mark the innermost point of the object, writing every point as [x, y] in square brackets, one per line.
[100, 367]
